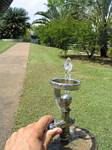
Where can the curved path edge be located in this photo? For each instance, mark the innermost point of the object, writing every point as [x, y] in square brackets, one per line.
[13, 64]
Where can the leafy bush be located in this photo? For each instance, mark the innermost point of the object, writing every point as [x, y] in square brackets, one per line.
[110, 52]
[68, 32]
[87, 38]
[59, 33]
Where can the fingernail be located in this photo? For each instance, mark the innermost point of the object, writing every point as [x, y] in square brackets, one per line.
[59, 131]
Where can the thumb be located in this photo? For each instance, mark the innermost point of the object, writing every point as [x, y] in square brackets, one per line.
[50, 134]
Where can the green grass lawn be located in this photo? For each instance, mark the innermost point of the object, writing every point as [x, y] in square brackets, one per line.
[4, 45]
[91, 105]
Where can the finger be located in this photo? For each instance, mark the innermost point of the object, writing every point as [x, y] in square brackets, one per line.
[10, 141]
[42, 125]
[50, 134]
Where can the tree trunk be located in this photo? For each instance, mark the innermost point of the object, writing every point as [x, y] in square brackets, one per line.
[92, 53]
[103, 39]
[104, 44]
[103, 51]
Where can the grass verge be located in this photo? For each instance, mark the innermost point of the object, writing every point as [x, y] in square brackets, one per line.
[4, 45]
[91, 105]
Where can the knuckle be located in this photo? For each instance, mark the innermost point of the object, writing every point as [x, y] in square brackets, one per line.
[21, 130]
[14, 134]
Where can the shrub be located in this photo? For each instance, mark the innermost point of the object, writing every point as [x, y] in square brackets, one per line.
[59, 33]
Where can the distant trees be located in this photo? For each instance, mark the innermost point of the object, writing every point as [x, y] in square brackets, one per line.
[102, 20]
[13, 23]
[84, 22]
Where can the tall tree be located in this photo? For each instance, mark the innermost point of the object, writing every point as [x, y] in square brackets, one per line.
[13, 23]
[56, 10]
[59, 9]
[99, 12]
[104, 11]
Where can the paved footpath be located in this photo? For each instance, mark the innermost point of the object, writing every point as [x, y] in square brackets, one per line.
[13, 65]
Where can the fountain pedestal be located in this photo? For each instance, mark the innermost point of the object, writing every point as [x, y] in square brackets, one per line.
[72, 138]
[64, 101]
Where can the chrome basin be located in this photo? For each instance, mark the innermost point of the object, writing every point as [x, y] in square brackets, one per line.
[64, 84]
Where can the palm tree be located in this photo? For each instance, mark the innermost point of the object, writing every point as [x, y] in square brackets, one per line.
[99, 12]
[59, 9]
[56, 10]
[13, 23]
[104, 9]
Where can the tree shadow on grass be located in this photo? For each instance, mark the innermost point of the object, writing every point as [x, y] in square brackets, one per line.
[95, 59]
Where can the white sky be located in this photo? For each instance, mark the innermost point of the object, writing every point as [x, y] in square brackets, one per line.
[31, 6]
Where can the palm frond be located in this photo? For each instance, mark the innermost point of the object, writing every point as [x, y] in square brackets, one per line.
[41, 21]
[43, 14]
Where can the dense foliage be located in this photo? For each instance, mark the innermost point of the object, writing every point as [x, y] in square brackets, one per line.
[59, 33]
[84, 23]
[13, 23]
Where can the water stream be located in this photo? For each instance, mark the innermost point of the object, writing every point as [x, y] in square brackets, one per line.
[68, 69]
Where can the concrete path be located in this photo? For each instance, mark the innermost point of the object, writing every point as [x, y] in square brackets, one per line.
[13, 65]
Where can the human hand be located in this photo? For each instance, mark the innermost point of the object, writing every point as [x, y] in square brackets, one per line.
[33, 137]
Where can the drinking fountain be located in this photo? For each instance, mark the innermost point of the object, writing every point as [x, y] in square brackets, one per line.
[72, 137]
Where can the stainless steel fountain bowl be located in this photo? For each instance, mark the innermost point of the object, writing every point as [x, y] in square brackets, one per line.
[64, 84]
